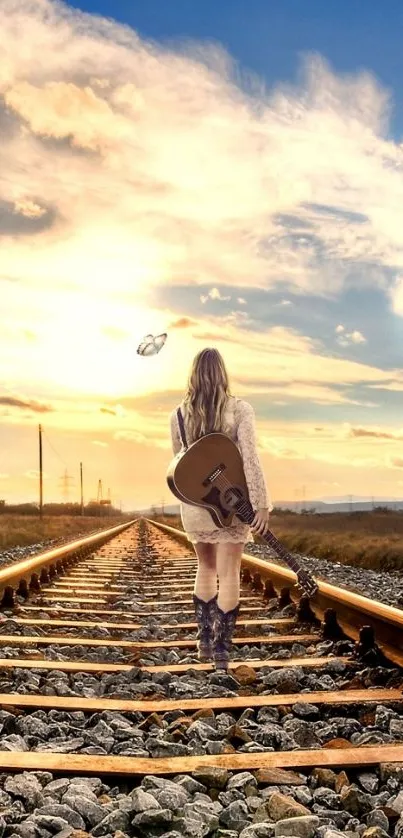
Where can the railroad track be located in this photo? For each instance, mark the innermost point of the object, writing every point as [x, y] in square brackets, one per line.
[99, 678]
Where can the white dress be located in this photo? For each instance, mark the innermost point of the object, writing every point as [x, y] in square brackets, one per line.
[239, 422]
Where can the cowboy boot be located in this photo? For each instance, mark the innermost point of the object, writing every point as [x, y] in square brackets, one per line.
[205, 613]
[223, 631]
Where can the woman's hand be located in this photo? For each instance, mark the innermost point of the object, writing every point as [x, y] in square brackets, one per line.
[260, 523]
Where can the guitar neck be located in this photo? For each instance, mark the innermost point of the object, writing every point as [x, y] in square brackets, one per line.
[247, 515]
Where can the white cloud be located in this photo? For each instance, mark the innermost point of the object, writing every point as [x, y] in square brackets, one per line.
[214, 294]
[347, 338]
[169, 164]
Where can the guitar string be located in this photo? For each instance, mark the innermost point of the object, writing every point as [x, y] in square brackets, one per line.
[223, 483]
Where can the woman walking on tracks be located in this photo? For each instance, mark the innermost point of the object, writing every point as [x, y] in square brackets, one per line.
[208, 406]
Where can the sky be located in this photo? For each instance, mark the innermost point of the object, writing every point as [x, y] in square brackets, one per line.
[231, 174]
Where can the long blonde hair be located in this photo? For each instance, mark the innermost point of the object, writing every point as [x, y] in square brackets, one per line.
[206, 396]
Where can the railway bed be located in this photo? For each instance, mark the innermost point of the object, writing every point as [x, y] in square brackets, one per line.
[119, 730]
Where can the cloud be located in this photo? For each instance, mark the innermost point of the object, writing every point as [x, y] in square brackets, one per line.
[171, 164]
[24, 217]
[183, 323]
[213, 294]
[33, 474]
[347, 338]
[377, 434]
[98, 442]
[36, 407]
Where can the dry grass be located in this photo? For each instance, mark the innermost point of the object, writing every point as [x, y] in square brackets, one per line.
[363, 539]
[22, 530]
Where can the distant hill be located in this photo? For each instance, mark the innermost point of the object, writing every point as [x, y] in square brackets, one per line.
[311, 505]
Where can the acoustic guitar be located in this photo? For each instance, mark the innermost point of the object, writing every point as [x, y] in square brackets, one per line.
[209, 473]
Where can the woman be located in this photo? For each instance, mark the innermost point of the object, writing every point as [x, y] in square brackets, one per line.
[209, 406]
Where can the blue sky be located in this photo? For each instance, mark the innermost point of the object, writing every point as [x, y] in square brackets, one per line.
[268, 36]
[149, 185]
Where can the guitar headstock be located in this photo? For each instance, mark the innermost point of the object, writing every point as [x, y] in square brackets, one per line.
[307, 583]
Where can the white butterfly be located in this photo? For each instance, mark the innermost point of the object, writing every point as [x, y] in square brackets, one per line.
[150, 345]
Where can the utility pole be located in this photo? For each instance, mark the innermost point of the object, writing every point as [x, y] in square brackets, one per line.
[65, 485]
[81, 485]
[40, 474]
[162, 507]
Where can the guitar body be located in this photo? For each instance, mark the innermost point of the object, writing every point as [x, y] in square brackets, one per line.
[209, 473]
[193, 475]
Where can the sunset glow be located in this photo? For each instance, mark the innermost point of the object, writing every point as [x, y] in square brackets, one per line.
[149, 186]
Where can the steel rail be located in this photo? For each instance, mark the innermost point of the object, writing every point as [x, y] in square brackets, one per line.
[29, 573]
[353, 610]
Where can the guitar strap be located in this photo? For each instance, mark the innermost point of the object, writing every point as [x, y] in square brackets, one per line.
[182, 427]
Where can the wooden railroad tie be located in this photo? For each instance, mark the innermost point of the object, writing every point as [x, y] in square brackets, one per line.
[123, 705]
[94, 765]
[281, 622]
[22, 640]
[100, 668]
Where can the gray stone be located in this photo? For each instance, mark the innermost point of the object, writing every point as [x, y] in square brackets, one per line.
[143, 800]
[326, 797]
[116, 820]
[378, 818]
[50, 823]
[155, 817]
[27, 786]
[189, 828]
[258, 830]
[396, 728]
[56, 788]
[244, 781]
[235, 816]
[25, 829]
[61, 746]
[92, 812]
[14, 742]
[369, 782]
[303, 827]
[171, 798]
[189, 783]
[203, 812]
[397, 803]
[59, 810]
[306, 711]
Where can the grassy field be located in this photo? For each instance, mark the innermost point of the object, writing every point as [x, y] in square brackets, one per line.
[21, 530]
[364, 539]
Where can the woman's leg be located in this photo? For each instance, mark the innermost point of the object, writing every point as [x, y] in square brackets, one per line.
[206, 577]
[229, 571]
[229, 556]
[205, 598]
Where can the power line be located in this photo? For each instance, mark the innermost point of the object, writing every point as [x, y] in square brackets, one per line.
[53, 448]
